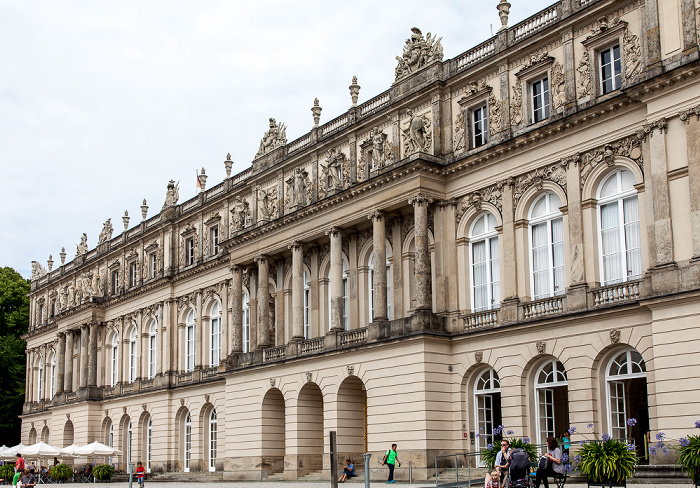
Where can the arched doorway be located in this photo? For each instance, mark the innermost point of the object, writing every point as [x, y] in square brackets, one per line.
[310, 428]
[487, 406]
[551, 399]
[352, 419]
[626, 385]
[273, 435]
[68, 434]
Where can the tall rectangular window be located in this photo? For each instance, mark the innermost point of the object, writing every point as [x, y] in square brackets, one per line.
[153, 266]
[214, 240]
[540, 99]
[115, 282]
[132, 274]
[189, 251]
[610, 69]
[480, 126]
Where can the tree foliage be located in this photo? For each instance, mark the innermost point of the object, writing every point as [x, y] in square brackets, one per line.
[14, 319]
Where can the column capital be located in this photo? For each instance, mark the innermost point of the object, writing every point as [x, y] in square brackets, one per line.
[420, 200]
[262, 258]
[295, 245]
[447, 202]
[61, 335]
[235, 267]
[377, 215]
[334, 231]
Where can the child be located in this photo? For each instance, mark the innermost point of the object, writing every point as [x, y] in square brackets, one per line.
[495, 480]
[140, 473]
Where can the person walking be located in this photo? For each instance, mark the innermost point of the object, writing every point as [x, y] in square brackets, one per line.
[391, 459]
[140, 474]
[19, 464]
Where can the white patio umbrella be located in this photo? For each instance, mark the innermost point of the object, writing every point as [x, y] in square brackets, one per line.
[96, 449]
[70, 450]
[41, 450]
[11, 452]
[2, 449]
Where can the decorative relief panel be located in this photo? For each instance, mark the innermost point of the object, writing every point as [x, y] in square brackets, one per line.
[553, 172]
[495, 116]
[460, 133]
[267, 204]
[298, 192]
[417, 133]
[418, 52]
[629, 147]
[275, 137]
[240, 214]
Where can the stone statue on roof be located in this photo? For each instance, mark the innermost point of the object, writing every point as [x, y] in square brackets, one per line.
[106, 233]
[172, 195]
[418, 52]
[275, 137]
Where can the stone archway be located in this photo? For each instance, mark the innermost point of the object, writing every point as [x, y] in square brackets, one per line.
[310, 429]
[352, 419]
[273, 434]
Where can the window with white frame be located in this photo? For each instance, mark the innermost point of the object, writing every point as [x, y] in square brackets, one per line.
[115, 361]
[245, 312]
[115, 282]
[620, 247]
[551, 391]
[212, 440]
[153, 264]
[547, 247]
[388, 285]
[539, 91]
[344, 317]
[479, 126]
[149, 444]
[152, 350]
[190, 331]
[189, 251]
[307, 309]
[621, 370]
[187, 436]
[487, 406]
[610, 69]
[132, 355]
[483, 254]
[215, 330]
[40, 382]
[214, 240]
[132, 274]
[52, 378]
[128, 439]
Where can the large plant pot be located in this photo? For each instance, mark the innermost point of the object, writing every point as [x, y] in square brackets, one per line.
[607, 483]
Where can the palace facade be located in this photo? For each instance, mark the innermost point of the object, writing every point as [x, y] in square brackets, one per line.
[506, 237]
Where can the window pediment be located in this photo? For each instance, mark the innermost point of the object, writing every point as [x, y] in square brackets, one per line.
[605, 33]
[538, 65]
[475, 94]
[114, 266]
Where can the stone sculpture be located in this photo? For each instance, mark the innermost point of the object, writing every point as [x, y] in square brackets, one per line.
[37, 270]
[516, 106]
[418, 52]
[495, 117]
[275, 137]
[584, 76]
[558, 86]
[238, 214]
[633, 55]
[417, 136]
[333, 169]
[265, 203]
[82, 248]
[378, 138]
[172, 195]
[106, 233]
[298, 187]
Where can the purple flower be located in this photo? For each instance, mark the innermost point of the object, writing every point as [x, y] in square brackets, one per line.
[660, 444]
[605, 437]
[660, 436]
[510, 432]
[652, 450]
[665, 450]
[565, 458]
[590, 426]
[572, 429]
[477, 435]
[526, 440]
[631, 422]
[684, 442]
[582, 443]
[697, 424]
[481, 429]
[631, 447]
[568, 468]
[578, 458]
[489, 446]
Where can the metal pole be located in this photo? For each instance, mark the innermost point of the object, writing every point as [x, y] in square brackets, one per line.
[410, 472]
[367, 456]
[456, 469]
[436, 473]
[469, 469]
[334, 460]
[131, 474]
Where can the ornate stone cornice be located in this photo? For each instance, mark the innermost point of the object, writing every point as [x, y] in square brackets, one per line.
[649, 128]
[686, 115]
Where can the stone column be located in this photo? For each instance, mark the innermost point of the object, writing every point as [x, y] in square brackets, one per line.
[297, 291]
[236, 309]
[92, 354]
[577, 291]
[60, 362]
[692, 120]
[68, 373]
[225, 321]
[83, 356]
[199, 335]
[28, 381]
[336, 284]
[263, 302]
[422, 271]
[379, 264]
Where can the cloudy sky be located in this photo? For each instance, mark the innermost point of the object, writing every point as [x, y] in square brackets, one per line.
[101, 103]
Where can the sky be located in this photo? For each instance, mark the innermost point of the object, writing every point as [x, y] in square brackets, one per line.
[101, 103]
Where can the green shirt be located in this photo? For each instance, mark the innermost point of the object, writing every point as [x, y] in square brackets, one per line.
[391, 456]
[18, 475]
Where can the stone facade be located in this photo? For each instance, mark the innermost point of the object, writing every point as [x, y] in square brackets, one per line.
[508, 233]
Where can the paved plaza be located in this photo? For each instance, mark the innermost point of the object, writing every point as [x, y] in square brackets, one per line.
[302, 484]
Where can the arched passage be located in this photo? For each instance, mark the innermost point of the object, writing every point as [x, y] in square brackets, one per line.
[68, 434]
[310, 428]
[626, 392]
[352, 419]
[273, 438]
[32, 436]
[45, 435]
[487, 406]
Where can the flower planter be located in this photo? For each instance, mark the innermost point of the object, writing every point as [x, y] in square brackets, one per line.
[609, 483]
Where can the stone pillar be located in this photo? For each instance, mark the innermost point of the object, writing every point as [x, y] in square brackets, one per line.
[379, 264]
[236, 309]
[263, 302]
[60, 362]
[576, 293]
[28, 381]
[297, 291]
[68, 373]
[422, 271]
[82, 372]
[693, 149]
[225, 321]
[198, 335]
[167, 336]
[509, 286]
[336, 284]
[92, 354]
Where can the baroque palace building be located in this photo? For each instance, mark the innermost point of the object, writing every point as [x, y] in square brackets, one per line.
[505, 237]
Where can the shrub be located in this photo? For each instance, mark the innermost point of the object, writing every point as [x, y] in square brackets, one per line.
[7, 471]
[103, 472]
[61, 472]
[689, 456]
[488, 455]
[609, 459]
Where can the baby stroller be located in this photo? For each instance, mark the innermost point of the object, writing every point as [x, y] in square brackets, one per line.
[518, 465]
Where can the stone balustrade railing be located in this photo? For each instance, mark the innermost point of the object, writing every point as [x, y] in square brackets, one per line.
[352, 337]
[335, 124]
[311, 346]
[274, 353]
[537, 22]
[375, 103]
[543, 307]
[474, 55]
[617, 293]
[479, 320]
[299, 143]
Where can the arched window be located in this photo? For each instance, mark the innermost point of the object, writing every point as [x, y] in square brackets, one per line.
[547, 247]
[212, 440]
[345, 297]
[620, 246]
[115, 360]
[627, 394]
[551, 396]
[149, 443]
[188, 442]
[52, 379]
[215, 321]
[307, 302]
[388, 285]
[152, 350]
[487, 406]
[483, 245]
[246, 322]
[128, 438]
[132, 355]
[40, 382]
[189, 341]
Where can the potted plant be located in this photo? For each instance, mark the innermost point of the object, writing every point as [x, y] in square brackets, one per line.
[688, 453]
[103, 472]
[7, 471]
[61, 472]
[607, 461]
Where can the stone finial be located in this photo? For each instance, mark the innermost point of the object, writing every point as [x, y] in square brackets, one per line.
[126, 219]
[144, 210]
[503, 11]
[202, 178]
[228, 164]
[354, 91]
[316, 111]
[63, 256]
[50, 262]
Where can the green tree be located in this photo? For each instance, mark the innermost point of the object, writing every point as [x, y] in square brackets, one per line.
[14, 319]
